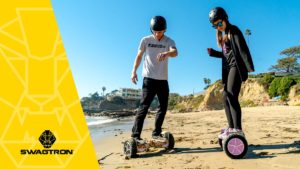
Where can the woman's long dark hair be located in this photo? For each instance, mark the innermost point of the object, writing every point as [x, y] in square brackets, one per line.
[220, 38]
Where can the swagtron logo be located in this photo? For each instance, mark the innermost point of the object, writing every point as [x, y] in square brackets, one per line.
[47, 139]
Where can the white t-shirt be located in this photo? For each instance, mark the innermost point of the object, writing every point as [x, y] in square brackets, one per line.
[151, 47]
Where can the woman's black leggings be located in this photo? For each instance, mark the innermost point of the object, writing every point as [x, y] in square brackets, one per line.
[230, 99]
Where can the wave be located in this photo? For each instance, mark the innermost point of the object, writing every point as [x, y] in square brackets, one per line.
[98, 121]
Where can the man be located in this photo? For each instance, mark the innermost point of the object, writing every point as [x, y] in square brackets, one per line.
[157, 48]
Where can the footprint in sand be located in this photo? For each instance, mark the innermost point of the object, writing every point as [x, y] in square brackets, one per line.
[263, 153]
[290, 130]
[214, 142]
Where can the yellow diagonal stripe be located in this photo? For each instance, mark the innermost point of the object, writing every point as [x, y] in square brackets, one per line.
[37, 92]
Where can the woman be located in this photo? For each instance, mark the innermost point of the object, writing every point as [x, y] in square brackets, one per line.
[236, 63]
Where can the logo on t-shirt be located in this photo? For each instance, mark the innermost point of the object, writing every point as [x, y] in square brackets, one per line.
[156, 45]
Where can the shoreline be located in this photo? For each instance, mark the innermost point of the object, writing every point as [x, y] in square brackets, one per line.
[272, 134]
[114, 127]
[110, 113]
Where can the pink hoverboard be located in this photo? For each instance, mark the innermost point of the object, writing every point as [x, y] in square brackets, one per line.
[235, 145]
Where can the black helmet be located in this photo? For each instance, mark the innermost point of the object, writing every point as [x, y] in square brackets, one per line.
[216, 14]
[158, 23]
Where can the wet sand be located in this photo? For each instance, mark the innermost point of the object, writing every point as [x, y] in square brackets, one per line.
[273, 135]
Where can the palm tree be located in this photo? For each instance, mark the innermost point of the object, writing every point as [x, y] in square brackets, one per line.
[103, 89]
[207, 81]
[248, 33]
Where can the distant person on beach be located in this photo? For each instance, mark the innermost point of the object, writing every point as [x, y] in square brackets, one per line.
[236, 63]
[156, 49]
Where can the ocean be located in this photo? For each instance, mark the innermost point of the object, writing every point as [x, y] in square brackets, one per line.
[101, 127]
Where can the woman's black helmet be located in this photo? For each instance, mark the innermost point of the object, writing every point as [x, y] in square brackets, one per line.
[216, 14]
[158, 23]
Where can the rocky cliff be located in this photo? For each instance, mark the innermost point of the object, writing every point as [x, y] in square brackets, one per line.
[252, 94]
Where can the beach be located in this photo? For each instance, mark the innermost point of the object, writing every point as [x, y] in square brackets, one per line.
[273, 135]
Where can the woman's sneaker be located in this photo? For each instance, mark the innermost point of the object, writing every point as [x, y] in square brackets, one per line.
[238, 131]
[228, 131]
[224, 133]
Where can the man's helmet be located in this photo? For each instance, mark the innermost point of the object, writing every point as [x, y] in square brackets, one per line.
[158, 23]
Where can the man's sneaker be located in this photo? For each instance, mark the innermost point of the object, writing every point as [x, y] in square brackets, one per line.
[159, 137]
[138, 140]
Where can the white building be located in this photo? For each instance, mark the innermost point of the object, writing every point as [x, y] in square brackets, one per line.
[129, 93]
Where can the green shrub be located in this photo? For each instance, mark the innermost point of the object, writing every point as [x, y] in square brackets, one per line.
[154, 104]
[117, 100]
[266, 80]
[280, 86]
[254, 76]
[248, 103]
[180, 108]
[174, 99]
[285, 84]
[195, 102]
[273, 89]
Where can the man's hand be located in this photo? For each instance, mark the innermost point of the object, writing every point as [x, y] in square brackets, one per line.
[161, 56]
[134, 77]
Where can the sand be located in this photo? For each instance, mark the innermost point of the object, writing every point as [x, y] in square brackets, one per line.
[273, 135]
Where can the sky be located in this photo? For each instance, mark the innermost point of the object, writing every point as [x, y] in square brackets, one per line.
[101, 38]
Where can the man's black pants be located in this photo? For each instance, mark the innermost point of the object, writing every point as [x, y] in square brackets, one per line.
[152, 87]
